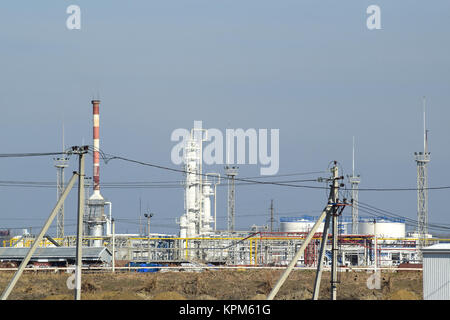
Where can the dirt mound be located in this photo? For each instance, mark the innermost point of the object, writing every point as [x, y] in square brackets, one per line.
[259, 296]
[205, 297]
[88, 286]
[218, 284]
[59, 297]
[170, 295]
[297, 295]
[403, 294]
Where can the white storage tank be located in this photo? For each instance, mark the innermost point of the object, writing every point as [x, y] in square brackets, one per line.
[384, 227]
[299, 224]
[305, 224]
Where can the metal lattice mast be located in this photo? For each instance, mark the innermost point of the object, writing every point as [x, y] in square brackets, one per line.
[60, 165]
[231, 173]
[422, 159]
[354, 181]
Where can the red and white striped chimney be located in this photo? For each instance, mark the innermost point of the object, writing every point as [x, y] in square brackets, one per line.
[96, 175]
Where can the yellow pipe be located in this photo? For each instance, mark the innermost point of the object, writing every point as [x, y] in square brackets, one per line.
[256, 252]
[251, 242]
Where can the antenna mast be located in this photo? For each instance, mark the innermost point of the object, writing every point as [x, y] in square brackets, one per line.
[354, 181]
[60, 165]
[422, 160]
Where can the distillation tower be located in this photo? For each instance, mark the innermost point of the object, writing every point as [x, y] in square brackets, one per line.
[197, 218]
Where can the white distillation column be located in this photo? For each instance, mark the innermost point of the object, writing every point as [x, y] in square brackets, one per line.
[207, 218]
[192, 188]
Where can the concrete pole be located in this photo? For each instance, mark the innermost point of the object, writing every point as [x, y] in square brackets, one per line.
[113, 246]
[79, 254]
[323, 246]
[376, 246]
[148, 235]
[30, 253]
[271, 216]
[298, 254]
[334, 250]
[334, 245]
[215, 206]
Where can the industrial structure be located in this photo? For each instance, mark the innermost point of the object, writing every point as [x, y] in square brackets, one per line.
[60, 164]
[354, 182]
[231, 173]
[422, 160]
[354, 241]
[95, 219]
[331, 240]
[197, 219]
[436, 278]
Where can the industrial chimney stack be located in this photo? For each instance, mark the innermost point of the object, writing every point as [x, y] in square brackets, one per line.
[96, 204]
[96, 136]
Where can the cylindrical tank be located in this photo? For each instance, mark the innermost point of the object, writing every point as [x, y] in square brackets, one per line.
[299, 224]
[385, 228]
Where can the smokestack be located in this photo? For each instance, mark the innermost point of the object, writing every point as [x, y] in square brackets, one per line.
[96, 135]
[96, 216]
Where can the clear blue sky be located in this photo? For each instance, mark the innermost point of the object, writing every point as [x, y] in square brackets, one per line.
[309, 68]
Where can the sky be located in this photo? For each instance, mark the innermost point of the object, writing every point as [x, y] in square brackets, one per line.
[311, 69]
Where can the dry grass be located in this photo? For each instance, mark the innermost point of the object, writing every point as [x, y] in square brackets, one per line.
[208, 285]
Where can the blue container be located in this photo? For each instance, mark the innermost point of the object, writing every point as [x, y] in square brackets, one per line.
[149, 269]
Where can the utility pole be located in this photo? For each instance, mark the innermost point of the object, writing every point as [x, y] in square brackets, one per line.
[140, 216]
[334, 243]
[323, 246]
[331, 211]
[75, 150]
[33, 248]
[113, 245]
[81, 151]
[335, 210]
[376, 244]
[148, 216]
[271, 216]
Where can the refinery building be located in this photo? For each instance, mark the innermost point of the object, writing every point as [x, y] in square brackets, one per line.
[379, 241]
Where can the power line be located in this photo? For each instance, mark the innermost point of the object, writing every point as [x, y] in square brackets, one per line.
[107, 157]
[36, 154]
[249, 180]
[383, 213]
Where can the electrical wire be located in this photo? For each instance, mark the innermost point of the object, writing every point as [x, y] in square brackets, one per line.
[36, 154]
[374, 211]
[249, 180]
